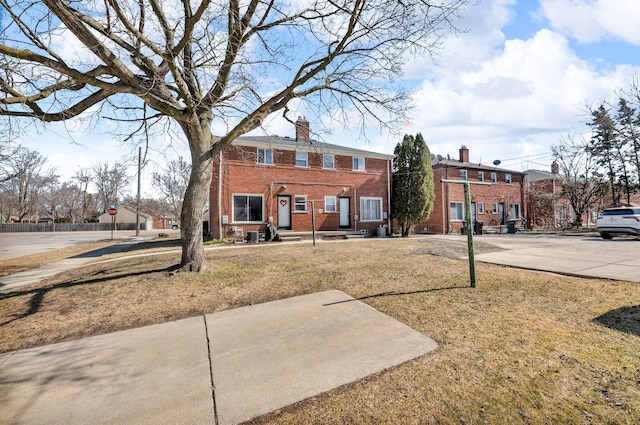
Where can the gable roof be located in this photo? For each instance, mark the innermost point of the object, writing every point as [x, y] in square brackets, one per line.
[292, 144]
[132, 210]
[537, 175]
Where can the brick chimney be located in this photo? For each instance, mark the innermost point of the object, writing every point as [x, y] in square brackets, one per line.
[464, 154]
[555, 168]
[302, 129]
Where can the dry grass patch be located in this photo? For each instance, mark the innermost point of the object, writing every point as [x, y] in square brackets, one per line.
[523, 347]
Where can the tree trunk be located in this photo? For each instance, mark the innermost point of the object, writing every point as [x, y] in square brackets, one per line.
[200, 140]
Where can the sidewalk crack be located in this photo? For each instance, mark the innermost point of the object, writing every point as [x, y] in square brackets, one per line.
[213, 386]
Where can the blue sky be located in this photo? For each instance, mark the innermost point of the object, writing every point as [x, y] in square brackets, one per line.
[515, 82]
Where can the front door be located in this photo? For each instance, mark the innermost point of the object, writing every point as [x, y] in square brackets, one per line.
[474, 217]
[345, 212]
[501, 213]
[284, 211]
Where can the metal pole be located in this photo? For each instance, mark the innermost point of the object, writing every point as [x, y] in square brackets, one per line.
[113, 224]
[467, 213]
[138, 197]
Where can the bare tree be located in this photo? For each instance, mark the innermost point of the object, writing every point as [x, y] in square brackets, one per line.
[22, 194]
[62, 202]
[112, 183]
[83, 178]
[172, 184]
[202, 63]
[7, 152]
[581, 184]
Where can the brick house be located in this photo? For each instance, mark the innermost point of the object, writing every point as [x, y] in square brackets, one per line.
[545, 208]
[272, 179]
[493, 205]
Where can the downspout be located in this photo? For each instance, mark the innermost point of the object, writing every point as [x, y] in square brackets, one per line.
[220, 196]
[445, 228]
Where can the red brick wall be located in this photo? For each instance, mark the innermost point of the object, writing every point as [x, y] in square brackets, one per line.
[499, 192]
[242, 175]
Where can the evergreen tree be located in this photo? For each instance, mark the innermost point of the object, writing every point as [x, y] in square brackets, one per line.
[629, 134]
[603, 147]
[413, 186]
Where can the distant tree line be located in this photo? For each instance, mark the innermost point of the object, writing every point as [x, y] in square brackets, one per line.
[604, 169]
[31, 190]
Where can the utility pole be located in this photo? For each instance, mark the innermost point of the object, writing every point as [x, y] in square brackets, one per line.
[467, 217]
[138, 196]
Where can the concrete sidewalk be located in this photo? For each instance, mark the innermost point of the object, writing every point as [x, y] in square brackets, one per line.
[17, 280]
[223, 368]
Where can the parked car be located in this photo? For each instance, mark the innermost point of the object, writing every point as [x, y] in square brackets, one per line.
[618, 221]
[174, 225]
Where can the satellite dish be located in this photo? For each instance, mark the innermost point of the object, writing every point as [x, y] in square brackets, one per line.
[439, 157]
[496, 162]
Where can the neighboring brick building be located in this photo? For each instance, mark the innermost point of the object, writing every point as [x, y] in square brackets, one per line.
[257, 180]
[545, 208]
[493, 205]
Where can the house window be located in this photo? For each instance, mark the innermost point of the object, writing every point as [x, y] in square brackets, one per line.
[370, 209]
[456, 211]
[328, 161]
[302, 159]
[329, 204]
[494, 177]
[300, 203]
[562, 213]
[480, 176]
[358, 163]
[480, 207]
[463, 175]
[507, 178]
[247, 209]
[265, 156]
[494, 208]
[514, 211]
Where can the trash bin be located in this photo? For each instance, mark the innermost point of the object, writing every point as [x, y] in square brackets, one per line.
[478, 227]
[511, 227]
[463, 230]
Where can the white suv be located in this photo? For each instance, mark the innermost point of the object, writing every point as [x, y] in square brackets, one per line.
[619, 221]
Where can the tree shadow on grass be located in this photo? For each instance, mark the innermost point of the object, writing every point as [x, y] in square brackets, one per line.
[397, 293]
[38, 294]
[623, 319]
[130, 247]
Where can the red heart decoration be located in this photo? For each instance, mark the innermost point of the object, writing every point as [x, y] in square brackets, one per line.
[283, 202]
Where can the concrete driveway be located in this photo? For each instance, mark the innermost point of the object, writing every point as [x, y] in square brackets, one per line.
[587, 256]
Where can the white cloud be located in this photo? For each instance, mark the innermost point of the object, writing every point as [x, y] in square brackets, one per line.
[590, 21]
[514, 103]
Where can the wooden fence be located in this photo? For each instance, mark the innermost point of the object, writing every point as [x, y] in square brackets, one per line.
[65, 227]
